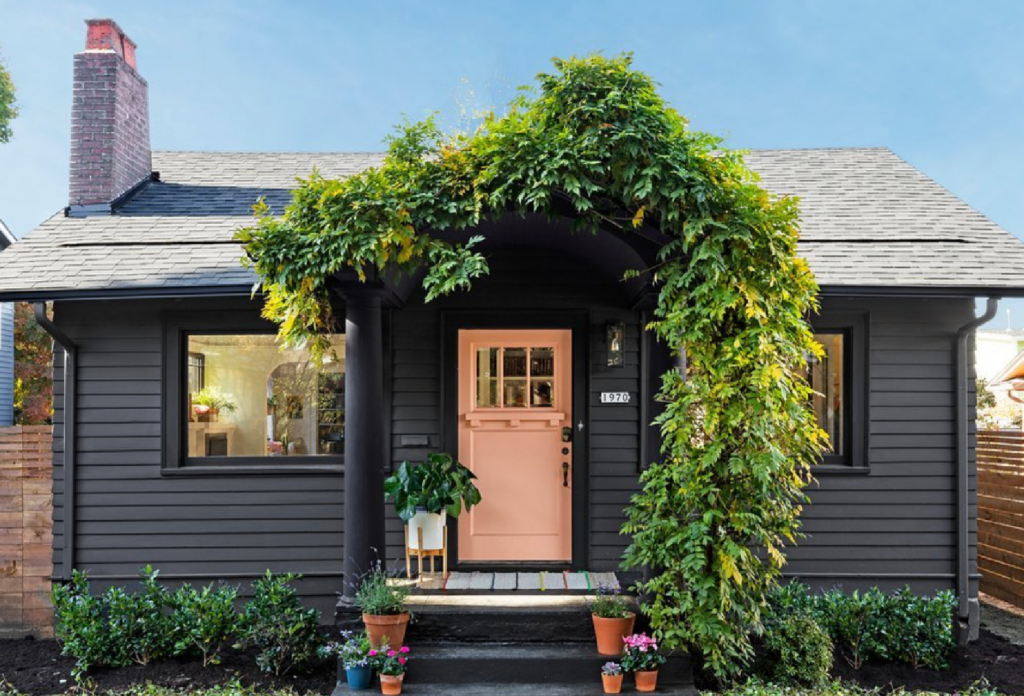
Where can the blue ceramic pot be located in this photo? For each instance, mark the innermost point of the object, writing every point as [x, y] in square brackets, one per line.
[358, 678]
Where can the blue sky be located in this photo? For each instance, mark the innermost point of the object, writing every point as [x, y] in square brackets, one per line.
[941, 83]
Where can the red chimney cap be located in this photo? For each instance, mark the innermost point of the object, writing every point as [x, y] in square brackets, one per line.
[105, 35]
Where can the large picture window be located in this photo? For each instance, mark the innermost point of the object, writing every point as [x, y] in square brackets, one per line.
[235, 397]
[259, 400]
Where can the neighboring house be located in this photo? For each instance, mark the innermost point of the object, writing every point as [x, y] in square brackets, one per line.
[153, 309]
[6, 344]
[995, 349]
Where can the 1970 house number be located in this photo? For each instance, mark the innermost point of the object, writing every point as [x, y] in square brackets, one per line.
[614, 397]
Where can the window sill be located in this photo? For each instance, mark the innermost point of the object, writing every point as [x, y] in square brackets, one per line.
[255, 469]
[840, 470]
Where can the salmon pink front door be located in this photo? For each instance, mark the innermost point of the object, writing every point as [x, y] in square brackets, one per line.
[515, 399]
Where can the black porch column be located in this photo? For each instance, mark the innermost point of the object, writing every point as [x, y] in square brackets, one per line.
[364, 433]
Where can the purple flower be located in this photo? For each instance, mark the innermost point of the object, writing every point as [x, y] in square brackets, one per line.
[373, 653]
[392, 653]
[404, 649]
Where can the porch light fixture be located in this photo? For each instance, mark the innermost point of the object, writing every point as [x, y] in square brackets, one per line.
[615, 337]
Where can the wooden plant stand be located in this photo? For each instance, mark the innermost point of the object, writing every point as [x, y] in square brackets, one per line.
[421, 552]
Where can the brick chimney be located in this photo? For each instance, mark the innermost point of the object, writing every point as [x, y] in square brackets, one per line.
[110, 151]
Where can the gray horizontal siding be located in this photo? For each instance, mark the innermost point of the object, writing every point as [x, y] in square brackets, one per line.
[897, 522]
[129, 515]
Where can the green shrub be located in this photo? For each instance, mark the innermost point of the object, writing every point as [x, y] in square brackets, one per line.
[799, 649]
[921, 628]
[873, 625]
[139, 625]
[204, 620]
[274, 622]
[81, 628]
[113, 630]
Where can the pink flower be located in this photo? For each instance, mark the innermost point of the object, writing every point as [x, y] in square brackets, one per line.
[392, 653]
[401, 660]
[373, 653]
[404, 649]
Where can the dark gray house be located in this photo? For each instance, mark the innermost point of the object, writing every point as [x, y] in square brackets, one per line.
[185, 438]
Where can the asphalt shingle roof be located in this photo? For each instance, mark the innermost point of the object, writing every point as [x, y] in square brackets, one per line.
[868, 218]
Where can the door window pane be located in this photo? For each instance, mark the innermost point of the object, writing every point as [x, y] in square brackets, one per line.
[514, 376]
[259, 400]
[826, 375]
[487, 377]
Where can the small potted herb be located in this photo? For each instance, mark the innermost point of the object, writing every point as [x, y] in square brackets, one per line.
[425, 495]
[613, 620]
[353, 655]
[383, 607]
[391, 665]
[611, 677]
[641, 657]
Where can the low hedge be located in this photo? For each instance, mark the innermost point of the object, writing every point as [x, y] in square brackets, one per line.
[120, 628]
[838, 688]
[896, 627]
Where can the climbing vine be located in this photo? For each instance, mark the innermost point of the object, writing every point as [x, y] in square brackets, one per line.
[717, 509]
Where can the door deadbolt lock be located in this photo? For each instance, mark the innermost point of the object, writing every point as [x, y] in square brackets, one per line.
[565, 450]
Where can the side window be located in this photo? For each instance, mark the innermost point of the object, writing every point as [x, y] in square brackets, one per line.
[841, 382]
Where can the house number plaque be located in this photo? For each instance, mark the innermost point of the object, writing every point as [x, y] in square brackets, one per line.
[614, 397]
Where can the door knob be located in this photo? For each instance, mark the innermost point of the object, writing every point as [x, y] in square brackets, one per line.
[565, 474]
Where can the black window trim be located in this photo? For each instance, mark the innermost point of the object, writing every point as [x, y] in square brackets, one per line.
[857, 382]
[176, 328]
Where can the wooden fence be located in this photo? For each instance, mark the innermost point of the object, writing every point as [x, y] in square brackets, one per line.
[1001, 514]
[26, 530]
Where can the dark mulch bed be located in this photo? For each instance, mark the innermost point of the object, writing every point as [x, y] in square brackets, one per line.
[36, 668]
[991, 657]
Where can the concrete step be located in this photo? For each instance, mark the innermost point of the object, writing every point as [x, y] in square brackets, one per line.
[518, 663]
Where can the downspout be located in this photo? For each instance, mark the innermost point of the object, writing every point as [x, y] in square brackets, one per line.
[70, 382]
[963, 563]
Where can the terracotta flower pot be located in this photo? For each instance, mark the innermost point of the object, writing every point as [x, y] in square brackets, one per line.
[647, 681]
[388, 628]
[612, 683]
[391, 685]
[610, 633]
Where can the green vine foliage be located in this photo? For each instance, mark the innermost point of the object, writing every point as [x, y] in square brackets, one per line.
[722, 502]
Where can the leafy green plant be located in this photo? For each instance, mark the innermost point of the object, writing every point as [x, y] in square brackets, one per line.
[739, 436]
[81, 625]
[204, 620]
[139, 627]
[439, 484]
[920, 628]
[799, 649]
[375, 595]
[8, 104]
[390, 661]
[214, 398]
[609, 604]
[275, 623]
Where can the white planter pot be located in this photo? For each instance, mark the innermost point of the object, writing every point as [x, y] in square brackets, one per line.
[432, 525]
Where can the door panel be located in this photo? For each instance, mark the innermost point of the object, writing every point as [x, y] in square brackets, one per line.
[515, 397]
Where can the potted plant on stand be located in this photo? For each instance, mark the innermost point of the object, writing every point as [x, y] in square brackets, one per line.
[383, 607]
[426, 494]
[208, 402]
[391, 665]
[354, 661]
[641, 657]
[613, 620]
[611, 677]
